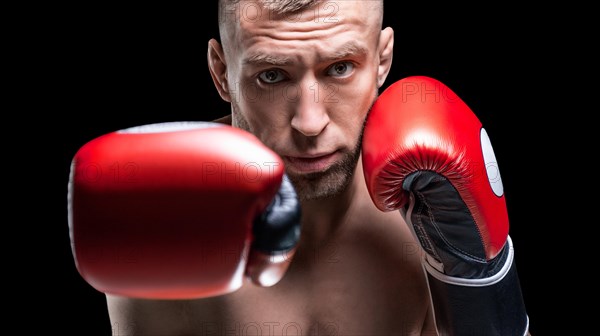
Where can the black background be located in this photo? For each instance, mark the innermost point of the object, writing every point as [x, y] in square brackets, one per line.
[125, 66]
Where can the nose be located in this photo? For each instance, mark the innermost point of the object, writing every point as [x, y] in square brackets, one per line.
[310, 113]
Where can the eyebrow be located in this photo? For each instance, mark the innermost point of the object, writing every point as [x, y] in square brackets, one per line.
[264, 59]
[347, 50]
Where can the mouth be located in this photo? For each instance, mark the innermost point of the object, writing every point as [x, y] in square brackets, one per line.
[310, 163]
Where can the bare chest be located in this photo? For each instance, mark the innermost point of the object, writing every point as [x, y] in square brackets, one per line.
[368, 282]
[333, 290]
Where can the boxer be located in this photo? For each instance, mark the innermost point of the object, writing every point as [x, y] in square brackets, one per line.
[403, 221]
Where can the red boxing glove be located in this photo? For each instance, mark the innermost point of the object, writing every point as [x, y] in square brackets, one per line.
[180, 210]
[426, 154]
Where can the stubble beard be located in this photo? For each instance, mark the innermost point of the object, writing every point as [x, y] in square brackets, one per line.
[330, 182]
[319, 185]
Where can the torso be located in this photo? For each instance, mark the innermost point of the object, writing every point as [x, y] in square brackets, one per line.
[367, 280]
[364, 278]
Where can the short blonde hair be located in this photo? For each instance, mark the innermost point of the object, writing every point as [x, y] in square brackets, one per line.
[280, 7]
[277, 6]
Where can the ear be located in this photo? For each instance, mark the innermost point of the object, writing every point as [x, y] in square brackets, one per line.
[386, 53]
[218, 68]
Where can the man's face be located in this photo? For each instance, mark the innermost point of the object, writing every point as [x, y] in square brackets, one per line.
[303, 84]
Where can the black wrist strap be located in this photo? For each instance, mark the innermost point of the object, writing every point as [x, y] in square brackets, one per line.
[489, 307]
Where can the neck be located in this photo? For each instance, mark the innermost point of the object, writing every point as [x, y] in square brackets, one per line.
[321, 218]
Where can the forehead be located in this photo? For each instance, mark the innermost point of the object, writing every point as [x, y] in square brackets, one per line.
[250, 25]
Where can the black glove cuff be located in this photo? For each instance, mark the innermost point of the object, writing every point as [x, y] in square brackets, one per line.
[490, 306]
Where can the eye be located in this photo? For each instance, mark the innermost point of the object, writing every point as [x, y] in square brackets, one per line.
[341, 69]
[271, 76]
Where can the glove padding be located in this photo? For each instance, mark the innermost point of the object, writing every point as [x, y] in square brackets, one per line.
[180, 210]
[426, 154]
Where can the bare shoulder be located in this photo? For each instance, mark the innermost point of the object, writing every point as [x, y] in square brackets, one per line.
[224, 120]
[131, 316]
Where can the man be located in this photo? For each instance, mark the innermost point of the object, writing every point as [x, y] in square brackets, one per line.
[302, 76]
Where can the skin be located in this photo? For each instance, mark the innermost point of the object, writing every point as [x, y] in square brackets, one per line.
[357, 270]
